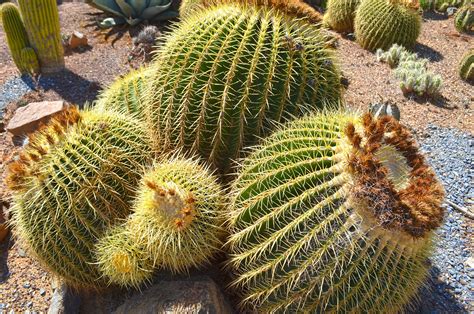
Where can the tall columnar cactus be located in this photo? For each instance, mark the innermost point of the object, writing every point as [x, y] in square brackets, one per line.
[466, 66]
[227, 74]
[464, 18]
[176, 224]
[41, 20]
[126, 93]
[340, 14]
[382, 23]
[295, 8]
[333, 214]
[23, 56]
[73, 180]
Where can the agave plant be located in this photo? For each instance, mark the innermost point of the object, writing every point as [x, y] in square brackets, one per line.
[134, 12]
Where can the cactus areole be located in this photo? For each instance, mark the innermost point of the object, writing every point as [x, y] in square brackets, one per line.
[334, 214]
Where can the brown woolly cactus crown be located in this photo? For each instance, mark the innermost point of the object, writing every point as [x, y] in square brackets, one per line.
[392, 177]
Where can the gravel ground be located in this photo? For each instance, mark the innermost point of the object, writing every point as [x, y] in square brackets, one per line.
[14, 89]
[451, 154]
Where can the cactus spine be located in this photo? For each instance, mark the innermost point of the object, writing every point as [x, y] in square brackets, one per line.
[333, 214]
[466, 66]
[382, 23]
[41, 20]
[23, 56]
[464, 18]
[340, 15]
[227, 74]
[73, 180]
[176, 224]
[126, 93]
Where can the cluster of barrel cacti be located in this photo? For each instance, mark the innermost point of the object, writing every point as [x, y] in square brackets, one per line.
[324, 215]
[33, 35]
[439, 5]
[376, 23]
[411, 71]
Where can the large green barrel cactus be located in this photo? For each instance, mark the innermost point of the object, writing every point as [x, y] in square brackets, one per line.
[333, 214]
[73, 180]
[295, 8]
[177, 224]
[227, 74]
[466, 66]
[464, 18]
[382, 23]
[126, 93]
[23, 56]
[41, 20]
[340, 14]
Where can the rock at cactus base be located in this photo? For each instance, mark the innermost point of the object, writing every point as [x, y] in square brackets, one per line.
[333, 213]
[382, 23]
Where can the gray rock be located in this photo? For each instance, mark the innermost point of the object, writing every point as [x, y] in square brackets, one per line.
[64, 300]
[195, 295]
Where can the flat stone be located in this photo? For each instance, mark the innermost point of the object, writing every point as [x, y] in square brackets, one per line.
[77, 39]
[27, 119]
[195, 295]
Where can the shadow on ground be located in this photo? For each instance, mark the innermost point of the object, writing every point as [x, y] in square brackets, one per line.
[72, 87]
[436, 295]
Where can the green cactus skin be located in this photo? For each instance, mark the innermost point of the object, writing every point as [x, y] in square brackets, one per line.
[466, 66]
[126, 93]
[72, 182]
[17, 39]
[227, 74]
[30, 60]
[41, 20]
[382, 23]
[177, 224]
[333, 214]
[340, 15]
[464, 18]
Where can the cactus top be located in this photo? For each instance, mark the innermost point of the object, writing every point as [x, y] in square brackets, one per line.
[293, 8]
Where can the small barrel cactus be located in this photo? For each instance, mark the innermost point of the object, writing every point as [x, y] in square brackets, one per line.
[41, 20]
[395, 55]
[23, 55]
[177, 224]
[415, 78]
[382, 23]
[340, 15]
[126, 93]
[466, 66]
[464, 18]
[72, 182]
[296, 8]
[226, 75]
[334, 213]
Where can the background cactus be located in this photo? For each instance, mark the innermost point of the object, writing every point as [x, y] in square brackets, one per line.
[464, 18]
[340, 15]
[41, 21]
[333, 214]
[382, 23]
[395, 55]
[134, 12]
[73, 180]
[126, 93]
[439, 5]
[296, 8]
[176, 224]
[415, 78]
[466, 66]
[23, 56]
[227, 74]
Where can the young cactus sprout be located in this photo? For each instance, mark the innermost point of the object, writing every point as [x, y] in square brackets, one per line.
[334, 213]
[73, 181]
[176, 225]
